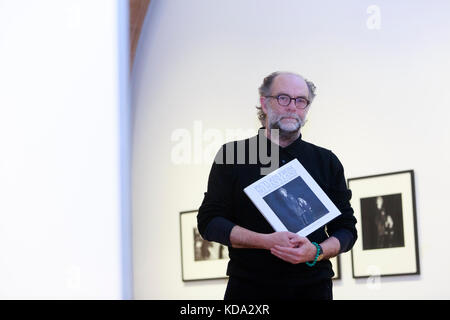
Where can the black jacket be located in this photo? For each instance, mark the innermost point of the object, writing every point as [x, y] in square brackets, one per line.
[225, 204]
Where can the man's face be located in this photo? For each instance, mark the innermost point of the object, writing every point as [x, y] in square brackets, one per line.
[283, 192]
[286, 118]
[379, 202]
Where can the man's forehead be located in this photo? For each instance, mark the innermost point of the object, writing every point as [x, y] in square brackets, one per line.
[289, 81]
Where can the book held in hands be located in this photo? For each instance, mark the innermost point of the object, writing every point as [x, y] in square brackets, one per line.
[291, 200]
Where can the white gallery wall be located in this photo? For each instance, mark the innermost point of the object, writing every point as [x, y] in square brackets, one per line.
[64, 168]
[382, 72]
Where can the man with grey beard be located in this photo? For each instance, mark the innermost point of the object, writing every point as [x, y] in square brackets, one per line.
[277, 265]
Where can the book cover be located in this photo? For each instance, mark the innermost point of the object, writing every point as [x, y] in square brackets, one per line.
[291, 200]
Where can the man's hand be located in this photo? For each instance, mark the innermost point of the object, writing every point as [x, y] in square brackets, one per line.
[282, 239]
[285, 245]
[243, 238]
[300, 250]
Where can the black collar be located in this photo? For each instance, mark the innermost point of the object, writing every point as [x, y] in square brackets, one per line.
[294, 148]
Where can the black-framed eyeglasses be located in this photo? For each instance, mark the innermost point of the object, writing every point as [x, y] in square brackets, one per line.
[284, 100]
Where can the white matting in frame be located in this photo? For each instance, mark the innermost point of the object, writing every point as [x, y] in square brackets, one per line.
[385, 208]
[200, 259]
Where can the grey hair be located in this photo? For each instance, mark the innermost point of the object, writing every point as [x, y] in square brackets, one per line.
[264, 90]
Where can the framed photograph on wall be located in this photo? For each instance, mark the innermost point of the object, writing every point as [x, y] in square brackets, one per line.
[200, 259]
[385, 208]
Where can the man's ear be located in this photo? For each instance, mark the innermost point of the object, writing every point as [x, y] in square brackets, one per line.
[262, 100]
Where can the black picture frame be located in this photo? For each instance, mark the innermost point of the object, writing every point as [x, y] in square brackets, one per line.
[385, 207]
[200, 259]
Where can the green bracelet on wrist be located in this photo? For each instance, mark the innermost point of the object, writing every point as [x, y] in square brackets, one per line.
[311, 264]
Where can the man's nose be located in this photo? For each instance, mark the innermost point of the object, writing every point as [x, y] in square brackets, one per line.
[291, 105]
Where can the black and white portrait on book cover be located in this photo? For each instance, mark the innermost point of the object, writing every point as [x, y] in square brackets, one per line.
[295, 205]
